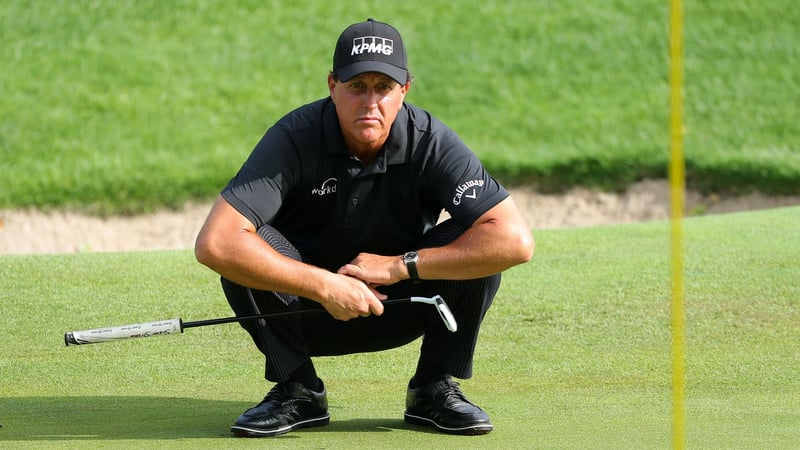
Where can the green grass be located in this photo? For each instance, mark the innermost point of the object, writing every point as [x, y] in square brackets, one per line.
[574, 354]
[128, 106]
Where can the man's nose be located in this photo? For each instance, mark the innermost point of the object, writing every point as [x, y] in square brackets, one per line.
[371, 98]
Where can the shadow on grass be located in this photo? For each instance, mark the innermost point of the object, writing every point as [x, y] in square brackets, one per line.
[115, 418]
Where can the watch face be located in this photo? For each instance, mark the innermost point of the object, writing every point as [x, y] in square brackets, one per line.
[410, 260]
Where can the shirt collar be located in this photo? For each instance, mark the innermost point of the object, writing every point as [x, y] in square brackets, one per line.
[334, 141]
[397, 144]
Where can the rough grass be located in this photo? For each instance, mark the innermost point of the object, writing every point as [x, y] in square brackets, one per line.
[128, 106]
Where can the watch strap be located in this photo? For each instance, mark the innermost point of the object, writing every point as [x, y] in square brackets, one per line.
[410, 259]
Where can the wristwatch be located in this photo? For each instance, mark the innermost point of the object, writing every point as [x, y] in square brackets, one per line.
[410, 259]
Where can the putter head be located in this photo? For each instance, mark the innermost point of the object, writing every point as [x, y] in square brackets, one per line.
[441, 307]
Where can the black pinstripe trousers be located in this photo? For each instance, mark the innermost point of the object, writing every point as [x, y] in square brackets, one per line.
[289, 342]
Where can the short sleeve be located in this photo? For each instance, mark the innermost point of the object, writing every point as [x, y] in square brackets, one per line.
[259, 188]
[458, 179]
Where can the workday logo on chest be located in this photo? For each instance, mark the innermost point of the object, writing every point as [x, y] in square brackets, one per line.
[327, 187]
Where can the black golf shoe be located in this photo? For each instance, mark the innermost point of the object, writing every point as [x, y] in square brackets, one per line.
[287, 406]
[442, 405]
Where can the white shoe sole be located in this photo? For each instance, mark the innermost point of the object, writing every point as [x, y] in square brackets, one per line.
[473, 429]
[244, 431]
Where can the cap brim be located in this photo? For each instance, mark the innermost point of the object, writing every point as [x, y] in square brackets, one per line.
[397, 74]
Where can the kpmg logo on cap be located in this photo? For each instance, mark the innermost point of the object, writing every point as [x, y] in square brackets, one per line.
[372, 44]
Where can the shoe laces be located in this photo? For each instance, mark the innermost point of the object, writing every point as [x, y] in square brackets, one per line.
[278, 394]
[451, 390]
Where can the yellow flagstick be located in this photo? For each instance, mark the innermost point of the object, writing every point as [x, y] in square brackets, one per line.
[677, 189]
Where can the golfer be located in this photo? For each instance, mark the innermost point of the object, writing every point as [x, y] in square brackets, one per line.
[338, 207]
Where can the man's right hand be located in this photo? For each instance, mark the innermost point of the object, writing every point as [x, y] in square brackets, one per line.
[229, 244]
[349, 298]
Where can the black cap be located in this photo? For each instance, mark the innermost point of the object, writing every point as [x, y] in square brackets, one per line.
[370, 46]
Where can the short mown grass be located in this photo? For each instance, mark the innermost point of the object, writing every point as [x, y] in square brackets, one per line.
[575, 353]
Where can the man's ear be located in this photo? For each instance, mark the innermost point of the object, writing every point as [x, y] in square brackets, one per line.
[331, 83]
[404, 90]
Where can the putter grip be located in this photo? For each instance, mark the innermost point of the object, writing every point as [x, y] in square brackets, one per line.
[137, 330]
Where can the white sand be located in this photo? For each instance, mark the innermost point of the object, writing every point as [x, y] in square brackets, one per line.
[30, 231]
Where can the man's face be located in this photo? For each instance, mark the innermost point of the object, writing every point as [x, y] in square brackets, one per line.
[367, 105]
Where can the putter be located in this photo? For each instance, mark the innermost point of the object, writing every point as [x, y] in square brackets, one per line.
[176, 326]
[441, 307]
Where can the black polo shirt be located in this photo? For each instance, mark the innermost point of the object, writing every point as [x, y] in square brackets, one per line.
[301, 179]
